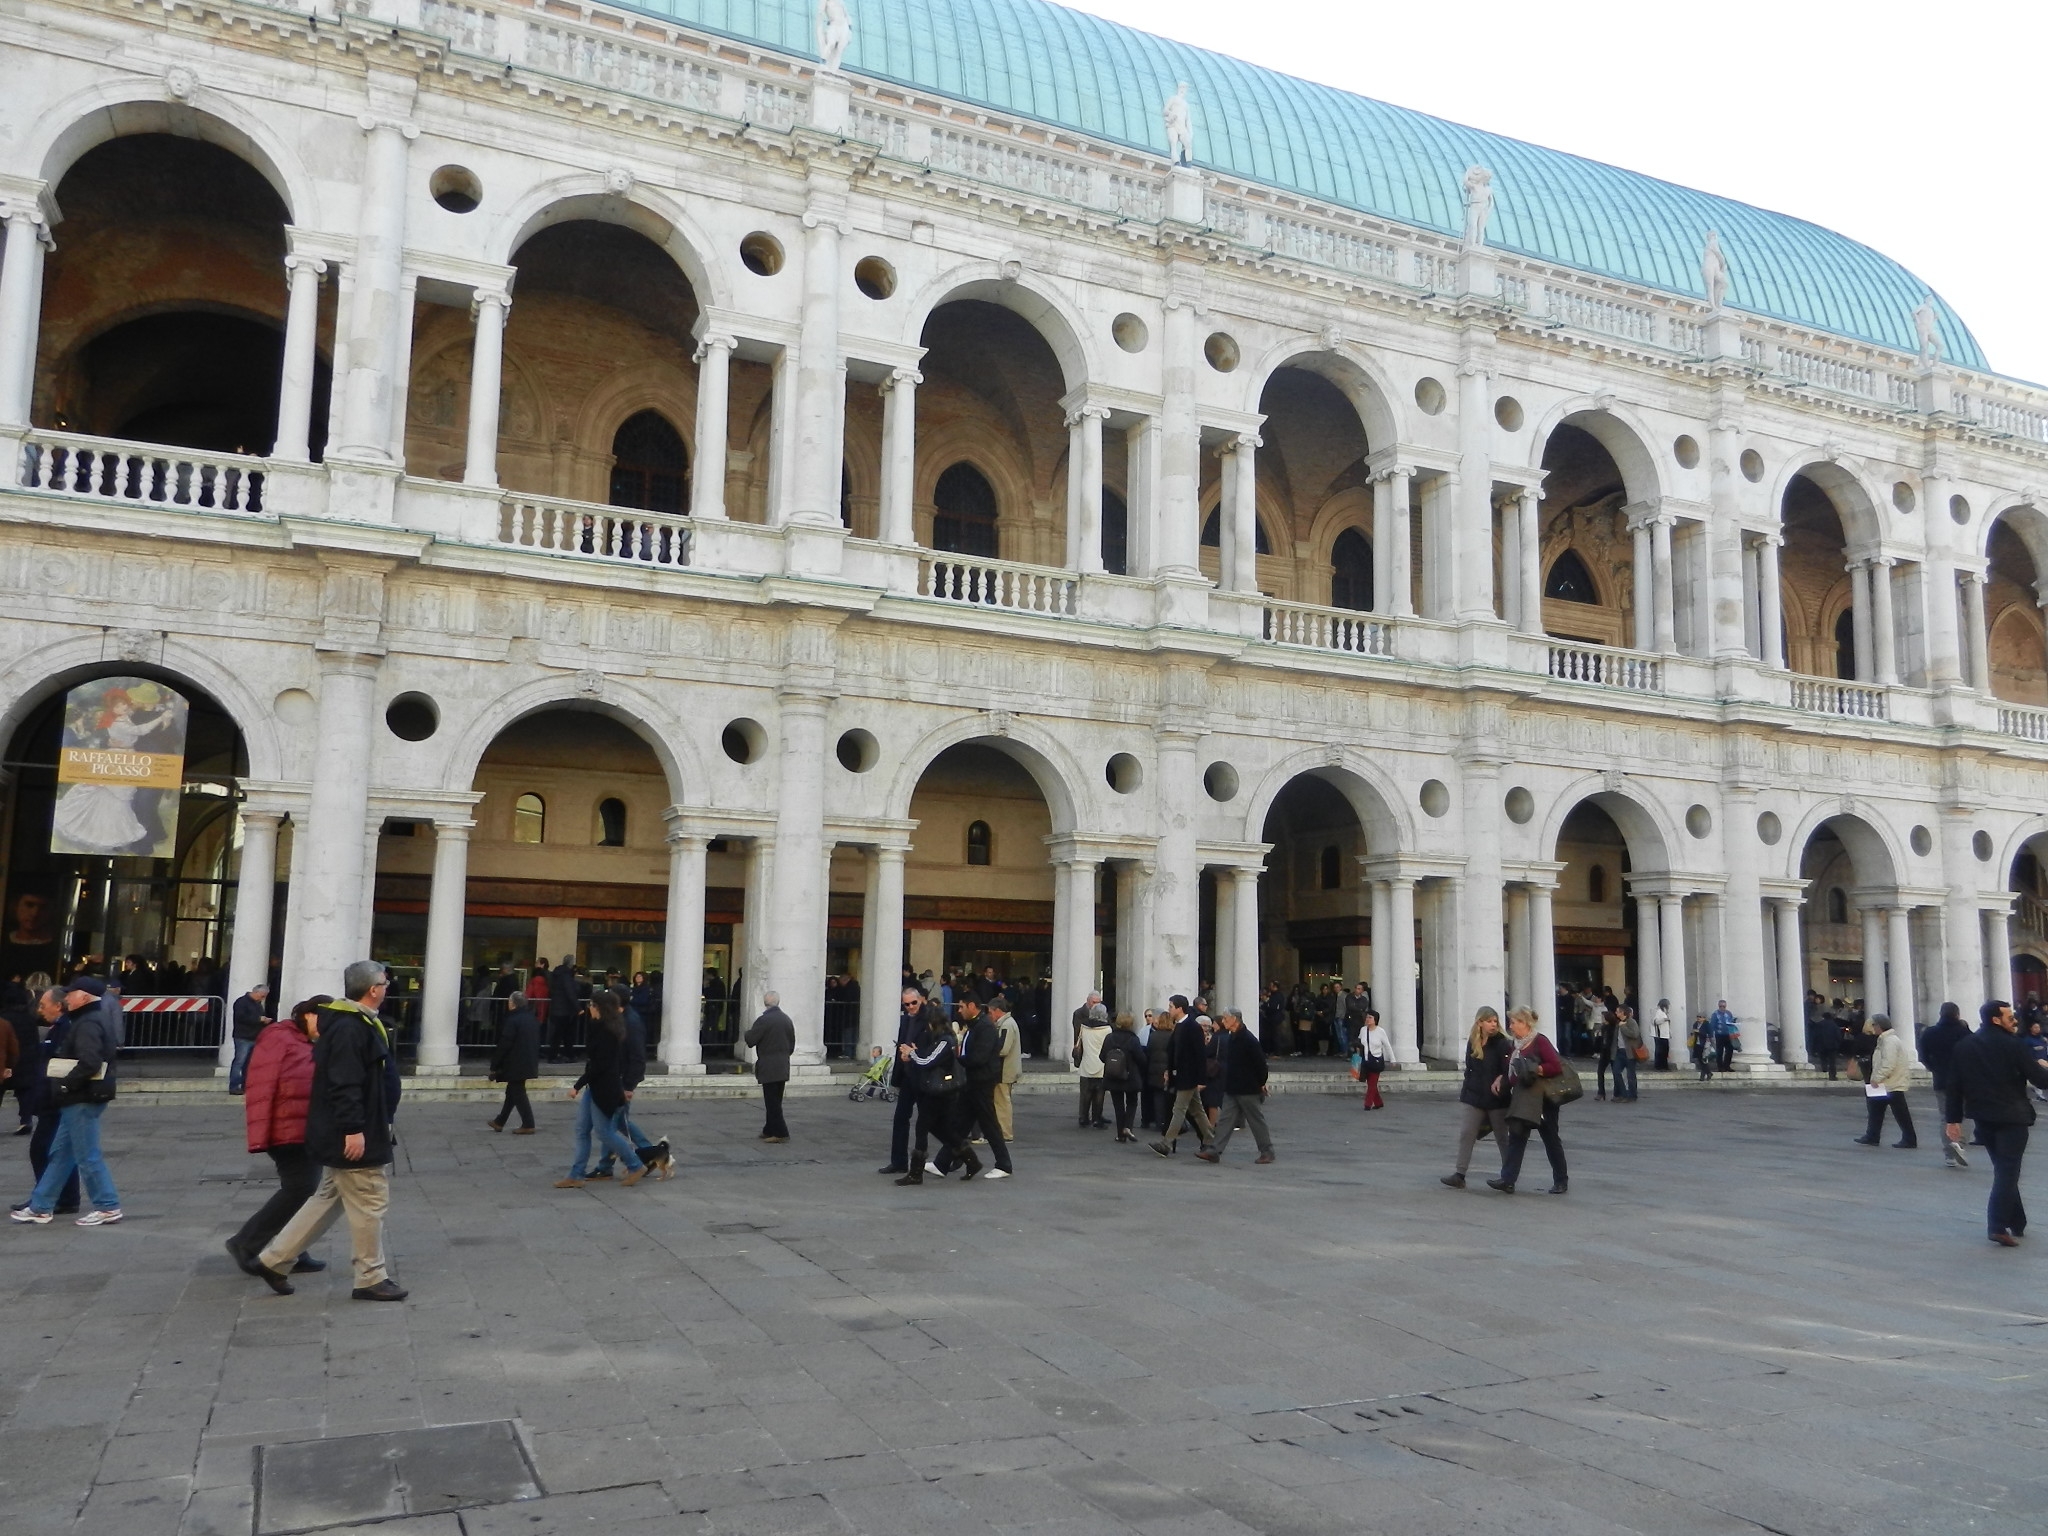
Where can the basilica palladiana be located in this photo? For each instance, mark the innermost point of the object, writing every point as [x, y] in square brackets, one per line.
[804, 491]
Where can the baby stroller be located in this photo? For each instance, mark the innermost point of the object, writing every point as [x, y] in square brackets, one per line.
[873, 1083]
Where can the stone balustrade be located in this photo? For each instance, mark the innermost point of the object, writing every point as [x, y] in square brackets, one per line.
[1851, 701]
[1327, 629]
[138, 474]
[1607, 667]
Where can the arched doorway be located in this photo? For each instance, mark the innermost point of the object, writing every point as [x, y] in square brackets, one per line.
[1596, 927]
[650, 467]
[1592, 590]
[965, 513]
[1837, 616]
[1614, 919]
[164, 302]
[1866, 946]
[2013, 637]
[1351, 571]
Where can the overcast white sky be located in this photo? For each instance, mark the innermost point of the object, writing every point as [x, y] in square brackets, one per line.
[1914, 128]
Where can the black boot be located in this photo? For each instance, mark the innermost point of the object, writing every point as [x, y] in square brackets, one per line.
[915, 1176]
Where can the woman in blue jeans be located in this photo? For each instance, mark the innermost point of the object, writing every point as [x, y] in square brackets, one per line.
[602, 1089]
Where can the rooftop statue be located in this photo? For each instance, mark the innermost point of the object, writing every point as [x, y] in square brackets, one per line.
[1714, 272]
[835, 33]
[1478, 205]
[1928, 325]
[1180, 127]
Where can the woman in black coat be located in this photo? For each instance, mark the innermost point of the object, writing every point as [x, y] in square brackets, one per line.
[940, 1079]
[603, 1077]
[515, 1060]
[1483, 1099]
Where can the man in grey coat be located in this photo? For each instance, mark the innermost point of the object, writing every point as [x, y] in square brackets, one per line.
[772, 1039]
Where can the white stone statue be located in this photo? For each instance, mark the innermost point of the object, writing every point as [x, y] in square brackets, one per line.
[1478, 205]
[1714, 272]
[1180, 127]
[1928, 325]
[835, 34]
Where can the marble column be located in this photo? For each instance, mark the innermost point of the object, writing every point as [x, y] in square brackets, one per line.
[899, 466]
[1529, 570]
[1397, 1011]
[327, 909]
[1752, 598]
[795, 938]
[1244, 945]
[1471, 510]
[295, 380]
[1479, 916]
[486, 376]
[1998, 953]
[1506, 507]
[1649, 972]
[1244, 515]
[441, 987]
[1859, 589]
[1543, 959]
[1073, 951]
[1138, 986]
[1884, 630]
[1791, 982]
[255, 896]
[1976, 638]
[1876, 997]
[714, 395]
[1221, 971]
[1178, 531]
[881, 946]
[1176, 886]
[819, 415]
[1899, 988]
[1393, 591]
[1663, 600]
[1084, 488]
[1518, 947]
[1382, 947]
[1743, 979]
[682, 956]
[380, 319]
[1770, 602]
[21, 305]
[1944, 639]
[1642, 567]
[1962, 926]
[1671, 952]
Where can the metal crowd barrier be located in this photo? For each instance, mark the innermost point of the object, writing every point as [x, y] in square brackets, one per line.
[173, 1023]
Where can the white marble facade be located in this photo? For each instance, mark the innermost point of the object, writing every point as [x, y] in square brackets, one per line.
[1461, 735]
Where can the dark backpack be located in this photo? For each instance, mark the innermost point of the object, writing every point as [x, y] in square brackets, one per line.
[1116, 1064]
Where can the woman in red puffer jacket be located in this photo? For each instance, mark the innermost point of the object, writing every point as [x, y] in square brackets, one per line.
[278, 1084]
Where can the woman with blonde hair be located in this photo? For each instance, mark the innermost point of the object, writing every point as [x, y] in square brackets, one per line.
[1530, 1106]
[1483, 1099]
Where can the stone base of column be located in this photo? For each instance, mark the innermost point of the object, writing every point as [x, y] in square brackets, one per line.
[677, 1068]
[806, 1069]
[1752, 1064]
[437, 1069]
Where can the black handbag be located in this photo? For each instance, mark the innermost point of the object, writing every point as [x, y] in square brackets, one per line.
[945, 1075]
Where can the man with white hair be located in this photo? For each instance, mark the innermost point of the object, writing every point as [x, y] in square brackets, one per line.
[772, 1039]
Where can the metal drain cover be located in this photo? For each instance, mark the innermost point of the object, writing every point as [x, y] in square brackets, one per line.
[312, 1484]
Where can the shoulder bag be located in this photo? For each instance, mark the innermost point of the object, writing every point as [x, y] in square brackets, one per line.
[944, 1075]
[1564, 1088]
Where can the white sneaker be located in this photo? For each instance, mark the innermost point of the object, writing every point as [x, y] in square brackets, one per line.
[935, 1168]
[99, 1218]
[995, 1173]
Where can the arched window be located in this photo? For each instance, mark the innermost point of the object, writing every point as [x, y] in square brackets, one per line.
[1845, 644]
[1333, 868]
[1838, 905]
[1596, 883]
[1351, 572]
[965, 523]
[980, 843]
[1212, 532]
[1569, 580]
[611, 823]
[529, 819]
[1116, 534]
[649, 465]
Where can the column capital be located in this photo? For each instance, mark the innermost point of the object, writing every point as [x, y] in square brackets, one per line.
[911, 378]
[453, 827]
[1077, 414]
[478, 297]
[1243, 442]
[345, 658]
[713, 341]
[261, 816]
[370, 122]
[299, 261]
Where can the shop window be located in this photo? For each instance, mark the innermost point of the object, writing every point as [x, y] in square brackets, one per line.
[980, 844]
[611, 823]
[1333, 868]
[1351, 572]
[649, 465]
[529, 819]
[965, 520]
[1596, 884]
[1570, 582]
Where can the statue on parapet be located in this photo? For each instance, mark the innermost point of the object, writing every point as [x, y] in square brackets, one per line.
[1927, 325]
[1714, 272]
[1180, 127]
[835, 34]
[1478, 205]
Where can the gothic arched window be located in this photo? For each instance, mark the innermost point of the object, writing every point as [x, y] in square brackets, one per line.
[1569, 580]
[1838, 905]
[649, 465]
[1212, 532]
[1351, 572]
[965, 523]
[980, 843]
[529, 819]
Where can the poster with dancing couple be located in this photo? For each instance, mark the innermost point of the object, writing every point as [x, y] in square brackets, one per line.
[119, 769]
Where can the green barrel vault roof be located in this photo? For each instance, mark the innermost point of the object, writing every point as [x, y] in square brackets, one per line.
[1043, 61]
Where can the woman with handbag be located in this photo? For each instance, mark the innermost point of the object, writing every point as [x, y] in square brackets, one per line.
[1375, 1054]
[1628, 1051]
[1484, 1097]
[1542, 1081]
[940, 1078]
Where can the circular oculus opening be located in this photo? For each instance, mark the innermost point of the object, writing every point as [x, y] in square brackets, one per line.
[412, 717]
[1124, 773]
[1221, 352]
[744, 741]
[1903, 497]
[1980, 845]
[1699, 821]
[874, 277]
[858, 751]
[1769, 829]
[1129, 332]
[1430, 396]
[1434, 798]
[1959, 509]
[1686, 451]
[456, 188]
[1752, 464]
[1507, 411]
[761, 254]
[1921, 841]
[1220, 780]
[1520, 805]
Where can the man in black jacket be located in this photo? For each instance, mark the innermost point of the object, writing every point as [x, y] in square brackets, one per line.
[348, 1132]
[1244, 1090]
[78, 1097]
[565, 1007]
[1187, 1070]
[252, 1012]
[1989, 1072]
[1937, 1050]
[981, 1052]
[903, 1078]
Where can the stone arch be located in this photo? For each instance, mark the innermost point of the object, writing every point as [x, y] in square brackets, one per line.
[1873, 849]
[1349, 508]
[1051, 766]
[648, 386]
[2028, 522]
[1271, 513]
[1646, 828]
[1614, 427]
[2015, 844]
[1597, 570]
[631, 706]
[33, 679]
[645, 210]
[1026, 294]
[1374, 796]
[1844, 487]
[1359, 378]
[999, 460]
[124, 108]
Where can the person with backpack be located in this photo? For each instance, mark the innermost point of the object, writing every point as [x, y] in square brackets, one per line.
[938, 1079]
[981, 1052]
[1124, 1067]
[1087, 1056]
